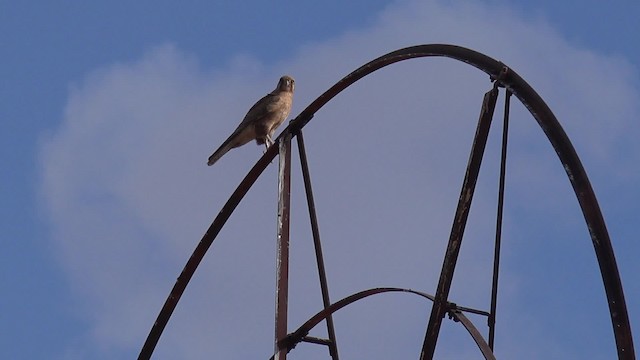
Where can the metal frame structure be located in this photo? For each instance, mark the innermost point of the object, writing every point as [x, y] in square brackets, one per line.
[502, 77]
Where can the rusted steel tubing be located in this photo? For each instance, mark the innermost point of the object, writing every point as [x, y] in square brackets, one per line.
[315, 231]
[315, 340]
[542, 114]
[295, 337]
[440, 304]
[491, 321]
[301, 333]
[282, 256]
[561, 144]
[469, 310]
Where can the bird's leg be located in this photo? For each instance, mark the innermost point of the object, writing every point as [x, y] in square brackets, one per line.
[267, 142]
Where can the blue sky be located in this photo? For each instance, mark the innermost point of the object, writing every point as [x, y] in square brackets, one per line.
[111, 109]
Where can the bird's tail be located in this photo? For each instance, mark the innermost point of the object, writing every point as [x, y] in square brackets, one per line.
[218, 153]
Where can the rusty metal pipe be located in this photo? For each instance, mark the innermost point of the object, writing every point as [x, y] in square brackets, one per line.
[282, 256]
[315, 231]
[541, 113]
[440, 304]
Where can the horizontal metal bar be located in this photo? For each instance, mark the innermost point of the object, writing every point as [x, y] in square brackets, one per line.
[471, 310]
[315, 340]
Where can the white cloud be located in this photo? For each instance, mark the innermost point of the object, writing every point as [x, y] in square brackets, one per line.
[129, 194]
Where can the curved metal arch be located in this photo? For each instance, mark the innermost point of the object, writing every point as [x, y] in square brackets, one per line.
[538, 109]
[454, 311]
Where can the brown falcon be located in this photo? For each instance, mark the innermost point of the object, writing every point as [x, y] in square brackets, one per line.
[262, 120]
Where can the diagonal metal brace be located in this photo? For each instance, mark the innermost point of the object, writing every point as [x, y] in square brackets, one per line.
[440, 305]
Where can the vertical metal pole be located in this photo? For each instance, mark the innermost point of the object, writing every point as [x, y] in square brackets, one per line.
[333, 346]
[440, 306]
[282, 257]
[496, 254]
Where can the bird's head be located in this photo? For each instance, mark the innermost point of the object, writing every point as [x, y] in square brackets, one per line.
[286, 83]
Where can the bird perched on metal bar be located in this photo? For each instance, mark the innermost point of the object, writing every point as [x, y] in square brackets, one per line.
[262, 120]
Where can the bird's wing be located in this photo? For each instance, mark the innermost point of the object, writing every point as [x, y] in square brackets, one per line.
[258, 111]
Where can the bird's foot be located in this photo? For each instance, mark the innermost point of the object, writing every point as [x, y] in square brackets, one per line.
[268, 141]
